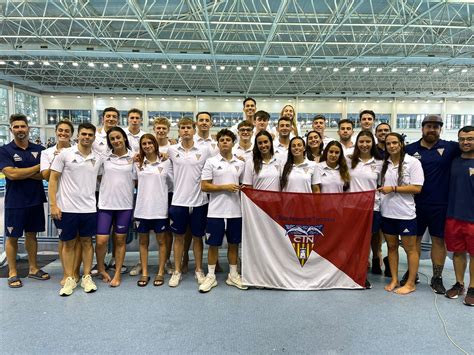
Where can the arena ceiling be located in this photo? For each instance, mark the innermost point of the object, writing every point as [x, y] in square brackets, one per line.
[288, 48]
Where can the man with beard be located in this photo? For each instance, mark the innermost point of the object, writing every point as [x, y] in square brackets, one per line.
[381, 132]
[436, 156]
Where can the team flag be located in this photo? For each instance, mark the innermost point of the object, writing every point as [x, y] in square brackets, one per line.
[304, 241]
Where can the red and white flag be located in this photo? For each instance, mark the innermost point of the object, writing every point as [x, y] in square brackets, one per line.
[303, 241]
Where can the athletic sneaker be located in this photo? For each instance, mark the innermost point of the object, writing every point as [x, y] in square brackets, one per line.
[367, 286]
[87, 284]
[175, 279]
[455, 291]
[235, 280]
[469, 299]
[209, 283]
[136, 270]
[404, 279]
[200, 277]
[437, 285]
[68, 287]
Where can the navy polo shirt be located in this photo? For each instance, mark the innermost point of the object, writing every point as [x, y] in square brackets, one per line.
[461, 190]
[436, 163]
[27, 192]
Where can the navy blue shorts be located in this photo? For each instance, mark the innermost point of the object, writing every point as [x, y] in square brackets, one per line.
[72, 224]
[376, 222]
[401, 227]
[431, 217]
[217, 227]
[182, 217]
[157, 225]
[121, 220]
[28, 219]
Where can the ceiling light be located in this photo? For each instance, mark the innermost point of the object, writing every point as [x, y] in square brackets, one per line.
[111, 97]
[365, 100]
[188, 99]
[164, 66]
[410, 69]
[60, 63]
[175, 99]
[335, 69]
[451, 70]
[365, 70]
[339, 100]
[308, 69]
[16, 62]
[264, 100]
[179, 67]
[352, 70]
[441, 101]
[90, 64]
[31, 63]
[238, 68]
[150, 98]
[148, 65]
[222, 67]
[2, 62]
[52, 96]
[415, 101]
[293, 68]
[301, 100]
[280, 68]
[119, 65]
[124, 98]
[226, 100]
[394, 70]
[137, 98]
[208, 67]
[266, 68]
[422, 70]
[250, 68]
[45, 63]
[464, 71]
[193, 67]
[105, 65]
[163, 98]
[201, 99]
[377, 100]
[403, 101]
[135, 66]
[78, 96]
[277, 100]
[428, 101]
[378, 70]
[75, 64]
[435, 70]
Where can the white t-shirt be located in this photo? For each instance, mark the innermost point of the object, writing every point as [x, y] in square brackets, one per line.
[117, 183]
[100, 143]
[302, 177]
[76, 190]
[347, 151]
[187, 170]
[208, 142]
[330, 178]
[268, 177]
[365, 176]
[48, 156]
[154, 180]
[223, 204]
[401, 205]
[134, 139]
[240, 152]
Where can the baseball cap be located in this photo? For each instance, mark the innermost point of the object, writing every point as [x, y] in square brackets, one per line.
[432, 119]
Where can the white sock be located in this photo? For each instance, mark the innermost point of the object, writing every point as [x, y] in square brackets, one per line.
[233, 270]
[211, 270]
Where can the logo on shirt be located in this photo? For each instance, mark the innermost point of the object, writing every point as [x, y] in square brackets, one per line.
[406, 230]
[198, 156]
[93, 162]
[34, 154]
[137, 224]
[471, 171]
[302, 238]
[417, 155]
[213, 146]
[237, 168]
[60, 231]
[323, 174]
[219, 167]
[440, 151]
[177, 155]
[16, 157]
[305, 170]
[10, 230]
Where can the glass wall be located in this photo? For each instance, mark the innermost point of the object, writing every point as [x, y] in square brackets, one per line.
[306, 119]
[379, 118]
[172, 116]
[4, 134]
[410, 120]
[3, 105]
[28, 105]
[458, 121]
[53, 116]
[123, 121]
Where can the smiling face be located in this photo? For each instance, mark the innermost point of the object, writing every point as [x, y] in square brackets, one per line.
[333, 155]
[319, 125]
[264, 145]
[297, 148]
[250, 108]
[393, 145]
[63, 133]
[288, 111]
[381, 132]
[117, 140]
[161, 131]
[364, 144]
[85, 137]
[203, 123]
[245, 133]
[367, 121]
[20, 130]
[314, 140]
[110, 119]
[284, 128]
[466, 141]
[148, 146]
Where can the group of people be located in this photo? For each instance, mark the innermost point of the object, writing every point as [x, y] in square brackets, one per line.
[189, 189]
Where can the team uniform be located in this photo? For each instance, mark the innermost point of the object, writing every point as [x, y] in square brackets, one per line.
[224, 215]
[431, 203]
[134, 139]
[459, 231]
[268, 177]
[398, 209]
[189, 203]
[240, 152]
[364, 177]
[76, 193]
[151, 208]
[116, 194]
[347, 151]
[100, 143]
[208, 142]
[302, 177]
[331, 181]
[280, 151]
[24, 210]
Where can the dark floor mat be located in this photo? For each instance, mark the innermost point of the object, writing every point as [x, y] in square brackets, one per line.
[22, 265]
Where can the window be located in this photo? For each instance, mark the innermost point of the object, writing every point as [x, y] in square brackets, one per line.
[410, 120]
[379, 118]
[53, 116]
[28, 105]
[172, 116]
[306, 120]
[4, 135]
[3, 105]
[458, 121]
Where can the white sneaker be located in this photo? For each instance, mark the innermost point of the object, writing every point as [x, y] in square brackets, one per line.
[235, 281]
[175, 279]
[87, 284]
[169, 268]
[68, 287]
[136, 270]
[200, 277]
[209, 283]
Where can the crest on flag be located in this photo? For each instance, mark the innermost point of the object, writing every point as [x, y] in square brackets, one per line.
[302, 238]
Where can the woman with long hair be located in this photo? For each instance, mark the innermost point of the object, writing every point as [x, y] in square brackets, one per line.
[299, 174]
[333, 169]
[364, 169]
[151, 208]
[401, 178]
[289, 111]
[314, 146]
[262, 172]
[115, 205]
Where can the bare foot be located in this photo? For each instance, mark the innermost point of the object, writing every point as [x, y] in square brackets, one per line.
[105, 276]
[115, 281]
[405, 290]
[391, 286]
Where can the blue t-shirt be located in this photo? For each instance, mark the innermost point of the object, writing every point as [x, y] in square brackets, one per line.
[461, 190]
[436, 163]
[27, 192]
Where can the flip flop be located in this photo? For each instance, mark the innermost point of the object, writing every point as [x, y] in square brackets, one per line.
[143, 281]
[12, 280]
[39, 275]
[159, 280]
